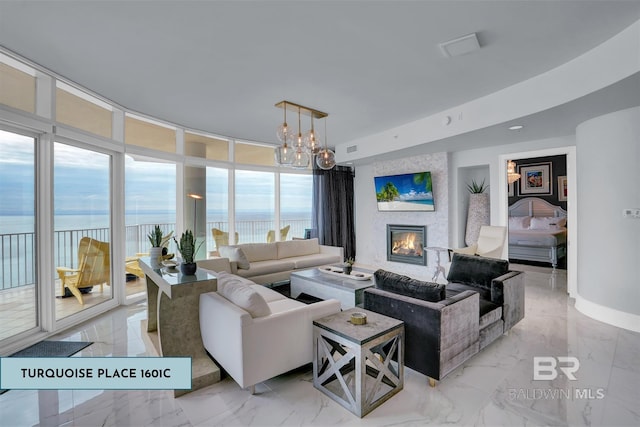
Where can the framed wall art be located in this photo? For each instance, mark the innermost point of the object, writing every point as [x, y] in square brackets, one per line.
[535, 179]
[562, 188]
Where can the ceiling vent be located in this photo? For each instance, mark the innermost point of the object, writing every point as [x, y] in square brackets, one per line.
[352, 148]
[460, 46]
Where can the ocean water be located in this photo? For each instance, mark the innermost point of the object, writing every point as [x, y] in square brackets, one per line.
[17, 238]
[11, 224]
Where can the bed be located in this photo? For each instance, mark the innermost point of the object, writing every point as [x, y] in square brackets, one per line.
[537, 231]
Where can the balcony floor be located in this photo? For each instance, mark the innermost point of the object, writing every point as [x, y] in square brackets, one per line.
[17, 306]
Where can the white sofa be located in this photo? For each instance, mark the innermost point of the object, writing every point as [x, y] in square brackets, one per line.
[253, 349]
[273, 262]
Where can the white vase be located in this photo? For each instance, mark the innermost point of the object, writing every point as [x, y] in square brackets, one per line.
[155, 257]
[477, 216]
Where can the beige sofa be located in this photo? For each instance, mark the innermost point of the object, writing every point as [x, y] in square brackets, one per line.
[265, 263]
[255, 333]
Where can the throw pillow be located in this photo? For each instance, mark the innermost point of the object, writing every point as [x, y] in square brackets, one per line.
[403, 285]
[476, 270]
[519, 222]
[236, 255]
[547, 223]
[223, 278]
[244, 297]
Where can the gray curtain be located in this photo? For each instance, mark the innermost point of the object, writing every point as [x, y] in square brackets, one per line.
[333, 205]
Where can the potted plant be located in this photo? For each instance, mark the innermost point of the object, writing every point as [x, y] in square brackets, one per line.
[478, 214]
[348, 266]
[187, 248]
[155, 253]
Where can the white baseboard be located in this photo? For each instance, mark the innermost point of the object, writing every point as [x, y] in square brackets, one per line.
[608, 315]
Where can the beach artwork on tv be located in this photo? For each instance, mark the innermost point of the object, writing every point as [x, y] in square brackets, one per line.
[408, 192]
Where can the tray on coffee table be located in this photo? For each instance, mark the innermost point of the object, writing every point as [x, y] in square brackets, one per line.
[337, 271]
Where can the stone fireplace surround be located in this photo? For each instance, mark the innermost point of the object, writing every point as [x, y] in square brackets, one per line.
[372, 224]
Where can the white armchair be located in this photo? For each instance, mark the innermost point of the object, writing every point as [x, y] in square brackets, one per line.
[491, 243]
[252, 350]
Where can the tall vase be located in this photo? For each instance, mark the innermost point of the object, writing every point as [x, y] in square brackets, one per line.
[477, 216]
[155, 257]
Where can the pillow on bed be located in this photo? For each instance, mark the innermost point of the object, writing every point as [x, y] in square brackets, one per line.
[547, 223]
[519, 222]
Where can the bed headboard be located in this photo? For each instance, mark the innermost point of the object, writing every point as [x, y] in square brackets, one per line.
[534, 206]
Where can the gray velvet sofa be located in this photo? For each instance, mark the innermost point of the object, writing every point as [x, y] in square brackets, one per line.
[445, 325]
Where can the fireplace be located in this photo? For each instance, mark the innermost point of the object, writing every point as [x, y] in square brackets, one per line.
[406, 243]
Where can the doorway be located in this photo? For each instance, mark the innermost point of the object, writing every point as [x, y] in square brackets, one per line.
[540, 159]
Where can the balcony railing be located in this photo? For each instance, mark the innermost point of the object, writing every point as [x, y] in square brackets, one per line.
[18, 267]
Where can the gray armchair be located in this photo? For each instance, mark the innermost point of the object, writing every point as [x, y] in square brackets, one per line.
[445, 325]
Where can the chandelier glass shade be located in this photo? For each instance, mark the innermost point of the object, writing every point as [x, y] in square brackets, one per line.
[512, 176]
[298, 149]
[309, 140]
[326, 159]
[284, 154]
[283, 129]
[301, 159]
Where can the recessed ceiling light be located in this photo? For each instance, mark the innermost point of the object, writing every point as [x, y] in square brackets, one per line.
[516, 127]
[460, 46]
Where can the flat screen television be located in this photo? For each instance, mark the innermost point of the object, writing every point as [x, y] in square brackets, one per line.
[407, 192]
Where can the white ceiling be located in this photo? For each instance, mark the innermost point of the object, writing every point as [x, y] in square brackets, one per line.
[220, 66]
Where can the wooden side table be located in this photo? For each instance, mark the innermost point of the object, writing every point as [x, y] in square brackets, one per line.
[358, 366]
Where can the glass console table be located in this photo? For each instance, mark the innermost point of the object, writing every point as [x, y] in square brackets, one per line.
[173, 321]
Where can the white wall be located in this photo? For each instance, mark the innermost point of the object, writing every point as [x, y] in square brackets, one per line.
[608, 156]
[371, 225]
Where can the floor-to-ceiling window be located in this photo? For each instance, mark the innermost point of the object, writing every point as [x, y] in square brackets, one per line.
[255, 205]
[245, 192]
[82, 227]
[150, 199]
[217, 208]
[296, 192]
[18, 280]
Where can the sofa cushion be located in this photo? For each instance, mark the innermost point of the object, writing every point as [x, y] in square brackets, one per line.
[259, 251]
[476, 270]
[259, 268]
[406, 286]
[456, 288]
[308, 261]
[235, 254]
[489, 313]
[244, 297]
[294, 248]
[269, 295]
[285, 304]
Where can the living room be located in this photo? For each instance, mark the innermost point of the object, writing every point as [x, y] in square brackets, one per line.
[569, 99]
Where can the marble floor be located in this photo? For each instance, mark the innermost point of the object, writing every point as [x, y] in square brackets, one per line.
[494, 388]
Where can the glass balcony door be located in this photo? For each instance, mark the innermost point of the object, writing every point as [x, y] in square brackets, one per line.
[82, 228]
[18, 279]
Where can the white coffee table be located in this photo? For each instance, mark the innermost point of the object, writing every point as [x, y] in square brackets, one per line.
[321, 285]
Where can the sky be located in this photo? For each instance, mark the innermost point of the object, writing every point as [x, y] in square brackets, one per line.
[81, 183]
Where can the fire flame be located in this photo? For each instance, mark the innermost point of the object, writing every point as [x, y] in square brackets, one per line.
[407, 244]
